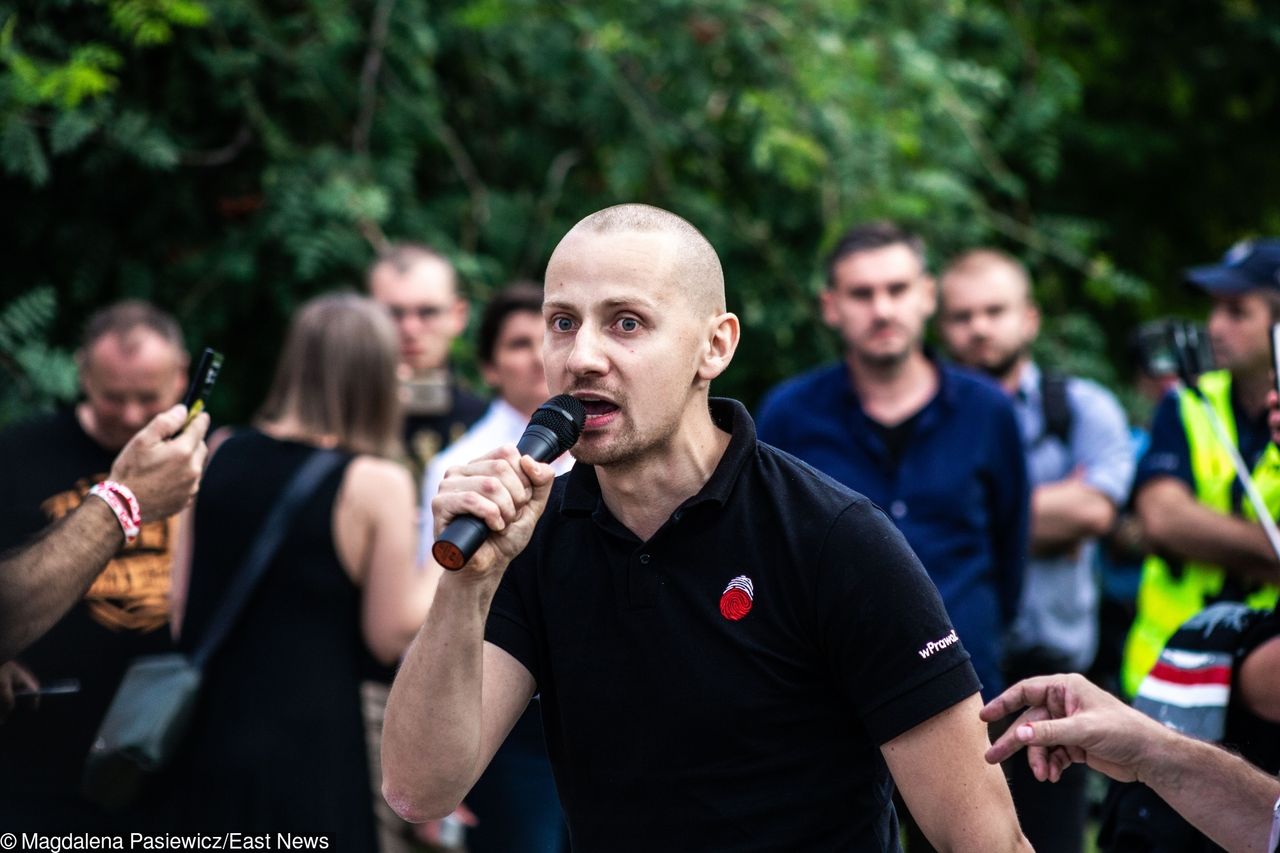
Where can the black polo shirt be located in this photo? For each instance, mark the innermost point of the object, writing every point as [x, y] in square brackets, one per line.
[726, 685]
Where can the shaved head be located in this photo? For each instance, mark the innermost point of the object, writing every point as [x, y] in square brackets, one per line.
[688, 259]
[978, 262]
[988, 318]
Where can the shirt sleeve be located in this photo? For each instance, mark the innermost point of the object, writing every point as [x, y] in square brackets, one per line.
[509, 625]
[882, 624]
[1168, 454]
[1010, 510]
[1100, 442]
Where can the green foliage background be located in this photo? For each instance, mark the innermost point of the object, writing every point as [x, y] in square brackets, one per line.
[230, 159]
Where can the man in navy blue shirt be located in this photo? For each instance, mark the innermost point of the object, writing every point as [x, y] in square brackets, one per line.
[938, 448]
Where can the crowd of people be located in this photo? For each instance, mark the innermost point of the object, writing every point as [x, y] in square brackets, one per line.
[712, 632]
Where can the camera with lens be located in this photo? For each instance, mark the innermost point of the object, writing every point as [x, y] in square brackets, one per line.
[1172, 346]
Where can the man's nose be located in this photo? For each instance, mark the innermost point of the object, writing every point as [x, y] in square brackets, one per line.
[134, 415]
[882, 305]
[587, 356]
[408, 325]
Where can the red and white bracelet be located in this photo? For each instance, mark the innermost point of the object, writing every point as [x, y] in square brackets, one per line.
[125, 506]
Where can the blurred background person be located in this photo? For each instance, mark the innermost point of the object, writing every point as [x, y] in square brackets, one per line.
[1207, 546]
[926, 441]
[514, 801]
[419, 288]
[277, 741]
[132, 365]
[1080, 463]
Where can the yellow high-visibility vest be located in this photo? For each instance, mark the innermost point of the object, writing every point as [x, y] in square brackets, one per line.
[1167, 598]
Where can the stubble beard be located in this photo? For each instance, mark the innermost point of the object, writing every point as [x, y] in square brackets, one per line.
[886, 361]
[1002, 368]
[627, 449]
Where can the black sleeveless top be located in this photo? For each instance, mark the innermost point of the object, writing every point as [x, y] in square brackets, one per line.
[277, 741]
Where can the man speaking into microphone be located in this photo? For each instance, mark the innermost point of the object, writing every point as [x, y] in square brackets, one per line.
[733, 652]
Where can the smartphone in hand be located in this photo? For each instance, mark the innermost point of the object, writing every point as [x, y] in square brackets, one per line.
[202, 382]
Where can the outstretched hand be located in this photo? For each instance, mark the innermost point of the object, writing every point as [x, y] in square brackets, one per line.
[1069, 720]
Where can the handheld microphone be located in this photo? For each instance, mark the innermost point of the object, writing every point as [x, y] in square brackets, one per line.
[552, 430]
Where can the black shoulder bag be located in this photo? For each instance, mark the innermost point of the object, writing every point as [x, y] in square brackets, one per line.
[152, 707]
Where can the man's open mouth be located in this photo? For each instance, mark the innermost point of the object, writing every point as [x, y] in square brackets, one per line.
[597, 409]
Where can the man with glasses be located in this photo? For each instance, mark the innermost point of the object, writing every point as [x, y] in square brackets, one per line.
[419, 288]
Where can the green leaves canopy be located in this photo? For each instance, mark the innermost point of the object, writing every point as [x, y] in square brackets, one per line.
[230, 159]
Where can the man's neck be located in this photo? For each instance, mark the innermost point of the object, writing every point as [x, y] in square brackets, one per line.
[643, 494]
[89, 423]
[892, 393]
[1012, 380]
[1251, 389]
[440, 372]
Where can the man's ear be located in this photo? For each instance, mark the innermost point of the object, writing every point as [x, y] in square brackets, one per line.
[827, 306]
[723, 332]
[459, 314]
[930, 285]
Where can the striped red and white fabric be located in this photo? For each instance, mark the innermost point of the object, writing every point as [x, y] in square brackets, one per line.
[1190, 686]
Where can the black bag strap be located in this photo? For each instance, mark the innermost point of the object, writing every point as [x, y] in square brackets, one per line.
[263, 549]
[1055, 406]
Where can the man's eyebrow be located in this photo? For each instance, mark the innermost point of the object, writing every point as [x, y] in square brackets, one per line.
[616, 302]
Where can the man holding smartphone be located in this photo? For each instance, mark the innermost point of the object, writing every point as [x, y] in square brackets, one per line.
[133, 366]
[1206, 544]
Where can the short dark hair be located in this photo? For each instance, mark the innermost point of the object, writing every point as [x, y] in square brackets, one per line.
[516, 297]
[873, 235]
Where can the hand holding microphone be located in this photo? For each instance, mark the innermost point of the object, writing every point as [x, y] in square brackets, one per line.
[494, 492]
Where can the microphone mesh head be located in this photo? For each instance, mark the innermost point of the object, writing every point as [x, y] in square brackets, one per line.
[563, 415]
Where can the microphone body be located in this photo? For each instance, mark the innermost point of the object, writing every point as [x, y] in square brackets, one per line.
[554, 428]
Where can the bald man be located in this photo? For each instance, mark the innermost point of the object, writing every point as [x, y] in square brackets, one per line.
[1080, 462]
[733, 653]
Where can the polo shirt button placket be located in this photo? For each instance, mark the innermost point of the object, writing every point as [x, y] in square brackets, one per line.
[643, 581]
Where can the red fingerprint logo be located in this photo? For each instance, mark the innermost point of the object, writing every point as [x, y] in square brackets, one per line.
[735, 601]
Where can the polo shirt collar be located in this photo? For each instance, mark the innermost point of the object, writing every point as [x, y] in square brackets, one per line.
[582, 490]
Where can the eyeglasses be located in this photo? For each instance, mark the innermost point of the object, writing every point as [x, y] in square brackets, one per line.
[424, 313]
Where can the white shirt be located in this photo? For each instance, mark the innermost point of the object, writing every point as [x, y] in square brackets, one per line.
[501, 424]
